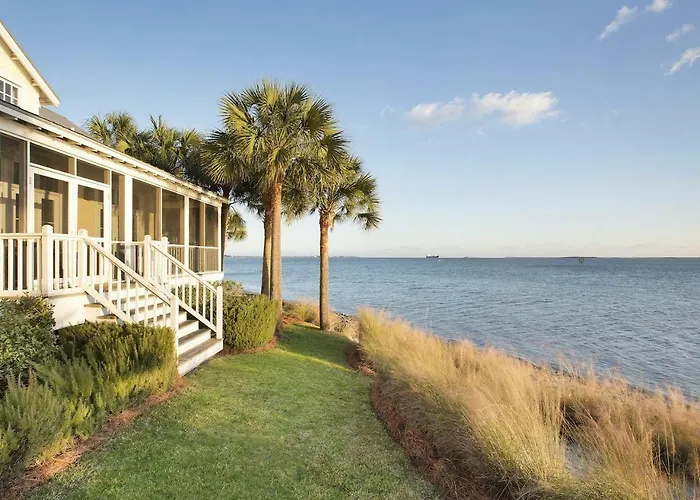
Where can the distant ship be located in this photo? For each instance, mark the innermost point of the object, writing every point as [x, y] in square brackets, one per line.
[432, 256]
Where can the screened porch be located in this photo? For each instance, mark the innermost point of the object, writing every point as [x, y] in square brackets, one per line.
[114, 205]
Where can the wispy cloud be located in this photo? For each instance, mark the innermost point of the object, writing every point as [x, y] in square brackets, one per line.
[514, 108]
[387, 110]
[623, 16]
[688, 58]
[518, 109]
[677, 33]
[659, 6]
[437, 112]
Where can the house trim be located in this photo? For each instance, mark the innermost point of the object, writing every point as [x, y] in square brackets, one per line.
[48, 96]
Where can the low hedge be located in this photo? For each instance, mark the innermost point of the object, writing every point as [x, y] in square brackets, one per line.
[99, 369]
[26, 336]
[249, 320]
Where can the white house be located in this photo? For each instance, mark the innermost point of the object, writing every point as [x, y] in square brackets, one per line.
[104, 236]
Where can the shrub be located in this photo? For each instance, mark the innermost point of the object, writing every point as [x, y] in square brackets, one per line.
[100, 369]
[138, 359]
[249, 321]
[37, 417]
[26, 335]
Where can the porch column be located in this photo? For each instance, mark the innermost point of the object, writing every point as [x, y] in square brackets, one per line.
[201, 252]
[27, 192]
[186, 222]
[159, 214]
[219, 242]
[126, 196]
[72, 208]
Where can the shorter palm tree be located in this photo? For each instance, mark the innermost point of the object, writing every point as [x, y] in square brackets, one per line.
[235, 226]
[351, 195]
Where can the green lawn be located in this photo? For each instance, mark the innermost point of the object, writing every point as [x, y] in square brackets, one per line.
[294, 422]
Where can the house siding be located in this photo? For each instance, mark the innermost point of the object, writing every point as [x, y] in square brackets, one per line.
[11, 70]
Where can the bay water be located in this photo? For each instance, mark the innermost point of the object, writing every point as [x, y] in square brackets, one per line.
[638, 317]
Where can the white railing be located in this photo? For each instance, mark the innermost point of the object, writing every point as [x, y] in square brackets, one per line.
[129, 252]
[197, 296]
[177, 251]
[121, 290]
[203, 259]
[19, 271]
[39, 264]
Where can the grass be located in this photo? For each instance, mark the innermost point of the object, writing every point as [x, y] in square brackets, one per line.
[529, 432]
[293, 422]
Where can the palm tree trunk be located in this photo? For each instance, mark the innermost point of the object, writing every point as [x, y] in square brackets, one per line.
[267, 252]
[323, 305]
[276, 262]
[223, 223]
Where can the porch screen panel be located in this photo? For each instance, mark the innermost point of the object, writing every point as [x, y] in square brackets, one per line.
[91, 209]
[47, 158]
[174, 217]
[12, 172]
[196, 261]
[92, 172]
[50, 204]
[145, 211]
[211, 237]
[117, 224]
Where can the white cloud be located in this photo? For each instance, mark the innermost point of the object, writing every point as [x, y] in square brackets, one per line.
[677, 33]
[518, 109]
[437, 112]
[689, 57]
[659, 6]
[623, 16]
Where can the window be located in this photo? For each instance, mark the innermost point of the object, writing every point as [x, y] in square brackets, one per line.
[9, 92]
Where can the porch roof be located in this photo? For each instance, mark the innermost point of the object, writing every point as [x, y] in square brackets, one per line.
[57, 131]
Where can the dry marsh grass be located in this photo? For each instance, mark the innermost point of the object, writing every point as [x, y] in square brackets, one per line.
[307, 311]
[530, 432]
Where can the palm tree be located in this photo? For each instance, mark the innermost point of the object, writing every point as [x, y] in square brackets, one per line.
[351, 195]
[284, 131]
[235, 226]
[117, 130]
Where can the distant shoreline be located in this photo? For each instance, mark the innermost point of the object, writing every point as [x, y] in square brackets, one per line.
[464, 258]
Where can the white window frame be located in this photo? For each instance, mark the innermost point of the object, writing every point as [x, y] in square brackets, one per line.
[13, 96]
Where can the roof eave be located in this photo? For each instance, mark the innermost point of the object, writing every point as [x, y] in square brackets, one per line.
[48, 95]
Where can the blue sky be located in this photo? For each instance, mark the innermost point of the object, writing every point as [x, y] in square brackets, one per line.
[495, 128]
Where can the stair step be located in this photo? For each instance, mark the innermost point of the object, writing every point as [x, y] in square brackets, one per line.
[193, 340]
[195, 357]
[107, 318]
[187, 327]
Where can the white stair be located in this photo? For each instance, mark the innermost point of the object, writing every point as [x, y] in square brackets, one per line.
[195, 342]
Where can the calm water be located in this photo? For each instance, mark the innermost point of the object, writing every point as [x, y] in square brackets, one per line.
[640, 316]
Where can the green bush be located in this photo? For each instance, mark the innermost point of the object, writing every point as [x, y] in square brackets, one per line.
[37, 417]
[26, 335]
[100, 369]
[120, 349]
[249, 321]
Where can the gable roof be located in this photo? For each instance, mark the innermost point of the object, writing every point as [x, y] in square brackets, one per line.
[48, 96]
